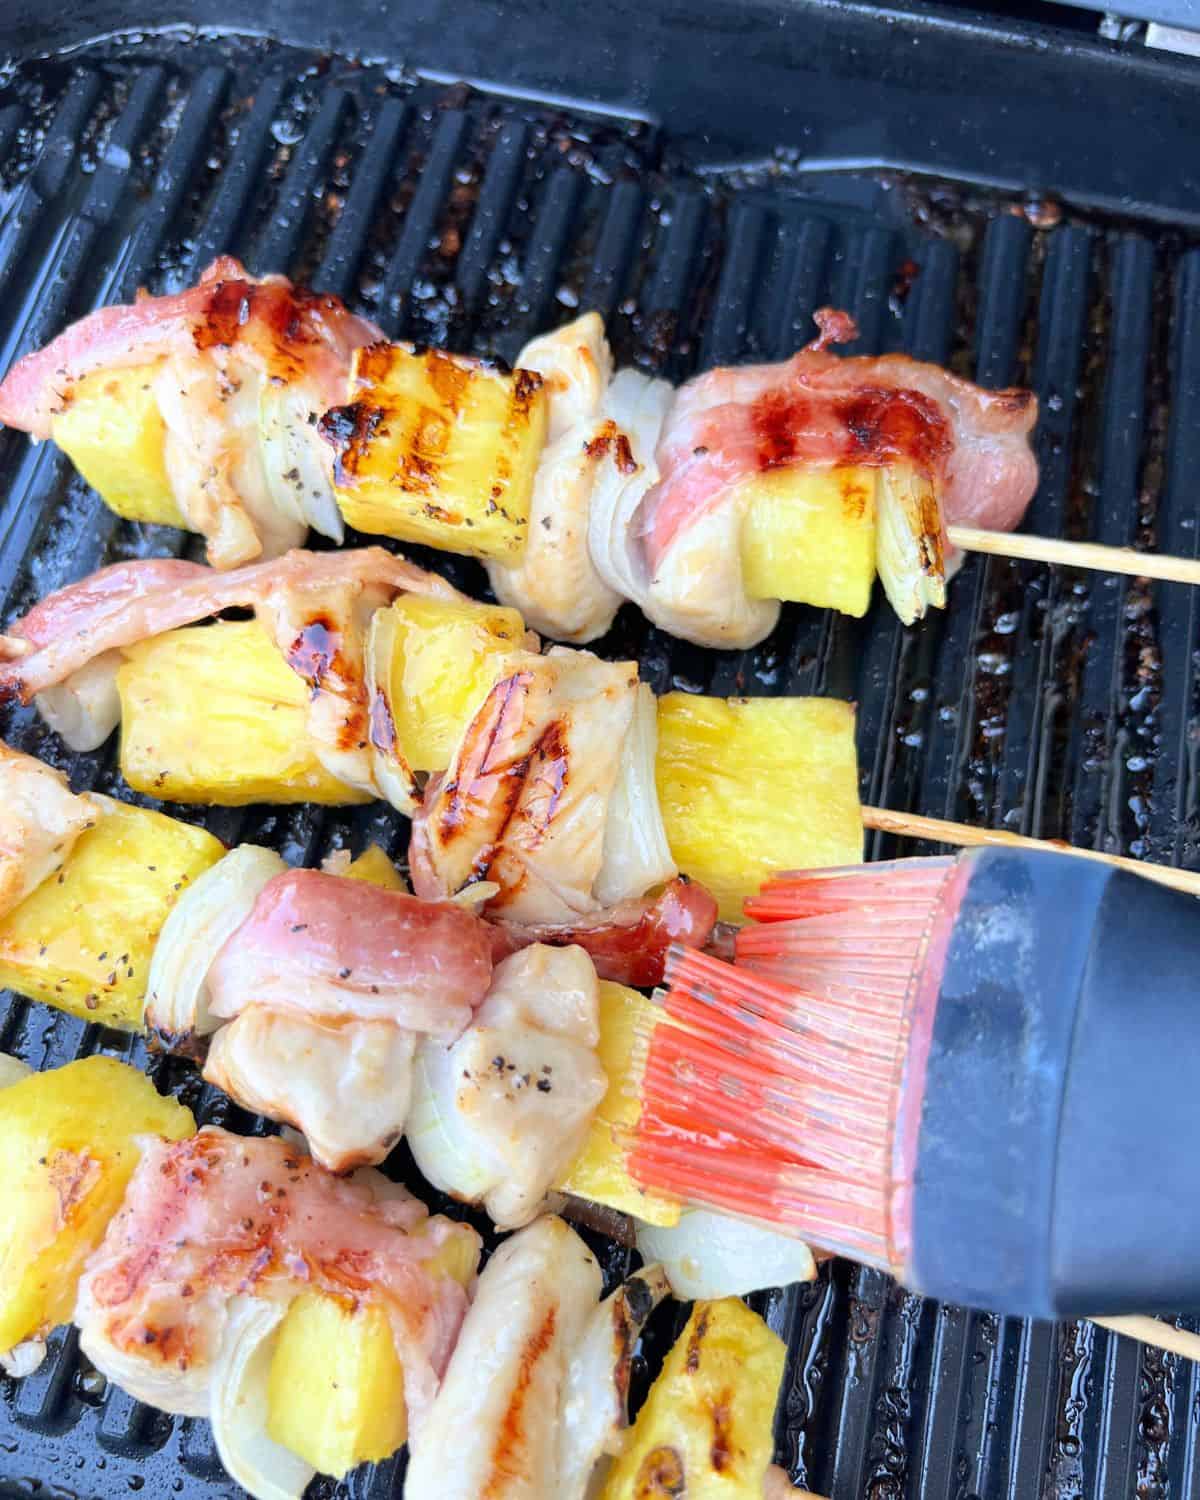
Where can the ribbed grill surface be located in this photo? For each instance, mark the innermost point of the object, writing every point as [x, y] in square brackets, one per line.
[1060, 704]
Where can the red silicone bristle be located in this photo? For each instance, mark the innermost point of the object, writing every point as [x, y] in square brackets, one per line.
[770, 1085]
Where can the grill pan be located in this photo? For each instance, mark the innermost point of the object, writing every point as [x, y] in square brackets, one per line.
[734, 168]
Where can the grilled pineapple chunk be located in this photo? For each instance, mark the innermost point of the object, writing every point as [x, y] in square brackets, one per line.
[706, 1430]
[438, 448]
[810, 537]
[752, 786]
[83, 939]
[112, 432]
[68, 1144]
[374, 868]
[445, 657]
[214, 714]
[336, 1389]
[600, 1171]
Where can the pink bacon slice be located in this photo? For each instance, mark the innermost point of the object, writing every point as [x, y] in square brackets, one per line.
[220, 1215]
[289, 333]
[629, 942]
[133, 601]
[335, 950]
[819, 409]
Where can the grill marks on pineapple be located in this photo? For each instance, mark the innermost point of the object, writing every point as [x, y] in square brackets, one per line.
[509, 1460]
[661, 1476]
[317, 654]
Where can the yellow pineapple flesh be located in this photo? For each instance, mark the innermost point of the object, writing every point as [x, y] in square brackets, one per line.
[439, 449]
[752, 786]
[112, 432]
[809, 536]
[213, 714]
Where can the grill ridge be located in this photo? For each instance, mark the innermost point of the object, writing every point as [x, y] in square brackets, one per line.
[474, 220]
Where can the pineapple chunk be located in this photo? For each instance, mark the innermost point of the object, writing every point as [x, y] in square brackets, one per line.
[446, 656]
[439, 449]
[375, 868]
[706, 1430]
[214, 714]
[809, 536]
[752, 786]
[112, 432]
[68, 1144]
[84, 938]
[336, 1389]
[600, 1171]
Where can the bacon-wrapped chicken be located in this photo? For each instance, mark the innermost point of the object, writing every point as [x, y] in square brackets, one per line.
[200, 408]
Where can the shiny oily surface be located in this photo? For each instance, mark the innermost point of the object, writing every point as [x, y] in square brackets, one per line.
[1045, 701]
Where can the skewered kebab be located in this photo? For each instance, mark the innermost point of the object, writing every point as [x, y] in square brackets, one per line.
[549, 801]
[705, 506]
[308, 993]
[317, 1322]
[192, 409]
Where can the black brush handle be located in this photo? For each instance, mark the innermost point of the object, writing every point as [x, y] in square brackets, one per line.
[1057, 1171]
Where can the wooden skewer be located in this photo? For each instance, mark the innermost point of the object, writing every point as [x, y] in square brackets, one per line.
[1156, 1333]
[942, 831]
[1089, 555]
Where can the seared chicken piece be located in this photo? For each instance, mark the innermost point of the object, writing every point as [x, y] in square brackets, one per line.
[501, 1113]
[556, 585]
[536, 1387]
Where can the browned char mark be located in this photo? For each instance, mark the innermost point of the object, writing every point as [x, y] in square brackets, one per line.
[509, 1458]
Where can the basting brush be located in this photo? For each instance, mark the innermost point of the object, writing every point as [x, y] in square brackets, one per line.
[978, 1073]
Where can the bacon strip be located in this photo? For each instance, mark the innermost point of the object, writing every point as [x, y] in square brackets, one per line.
[286, 331]
[818, 410]
[629, 942]
[132, 601]
[220, 1215]
[335, 950]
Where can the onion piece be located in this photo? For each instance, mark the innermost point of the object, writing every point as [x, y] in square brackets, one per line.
[12, 1070]
[638, 407]
[23, 1358]
[85, 708]
[910, 542]
[595, 1402]
[197, 928]
[298, 481]
[709, 1255]
[636, 852]
[241, 1373]
[393, 775]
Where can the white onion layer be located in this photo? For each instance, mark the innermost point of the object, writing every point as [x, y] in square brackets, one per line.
[709, 1255]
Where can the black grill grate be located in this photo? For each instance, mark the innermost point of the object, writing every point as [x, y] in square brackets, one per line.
[1056, 703]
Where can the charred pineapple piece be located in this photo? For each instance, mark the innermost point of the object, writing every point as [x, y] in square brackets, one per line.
[438, 448]
[809, 536]
[336, 1388]
[752, 786]
[112, 432]
[445, 657]
[213, 714]
[706, 1430]
[84, 938]
[600, 1171]
[68, 1144]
